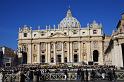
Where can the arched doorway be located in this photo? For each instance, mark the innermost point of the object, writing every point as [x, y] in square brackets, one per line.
[24, 57]
[122, 45]
[95, 56]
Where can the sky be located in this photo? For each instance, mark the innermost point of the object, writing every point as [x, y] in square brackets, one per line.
[34, 13]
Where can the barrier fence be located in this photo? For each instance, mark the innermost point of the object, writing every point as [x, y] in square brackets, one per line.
[54, 76]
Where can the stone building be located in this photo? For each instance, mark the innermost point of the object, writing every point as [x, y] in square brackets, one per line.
[114, 54]
[7, 56]
[67, 42]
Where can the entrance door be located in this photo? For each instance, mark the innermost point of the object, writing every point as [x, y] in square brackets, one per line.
[59, 58]
[95, 56]
[122, 45]
[75, 58]
[24, 57]
[42, 58]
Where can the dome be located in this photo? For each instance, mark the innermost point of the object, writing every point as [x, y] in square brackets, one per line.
[69, 21]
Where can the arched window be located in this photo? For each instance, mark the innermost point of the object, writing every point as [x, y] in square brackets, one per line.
[95, 55]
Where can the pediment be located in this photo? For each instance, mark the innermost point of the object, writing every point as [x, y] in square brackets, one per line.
[57, 34]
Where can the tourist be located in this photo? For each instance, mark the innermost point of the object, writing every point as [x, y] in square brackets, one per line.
[87, 75]
[78, 74]
[82, 75]
[31, 76]
[66, 74]
[1, 77]
[93, 74]
[22, 77]
[103, 73]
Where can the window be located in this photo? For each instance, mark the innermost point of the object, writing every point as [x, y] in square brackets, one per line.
[65, 59]
[34, 35]
[43, 58]
[52, 60]
[94, 31]
[42, 51]
[34, 57]
[51, 33]
[74, 32]
[75, 50]
[42, 34]
[34, 47]
[25, 34]
[51, 51]
[83, 32]
[58, 58]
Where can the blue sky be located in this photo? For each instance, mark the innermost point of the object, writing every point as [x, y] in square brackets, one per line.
[16, 13]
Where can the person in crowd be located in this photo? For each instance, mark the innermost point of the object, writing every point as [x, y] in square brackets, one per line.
[66, 74]
[93, 74]
[22, 77]
[110, 75]
[78, 73]
[87, 75]
[103, 73]
[38, 73]
[114, 74]
[82, 75]
[1, 77]
[31, 76]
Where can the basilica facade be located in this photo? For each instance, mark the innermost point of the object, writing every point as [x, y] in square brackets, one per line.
[68, 42]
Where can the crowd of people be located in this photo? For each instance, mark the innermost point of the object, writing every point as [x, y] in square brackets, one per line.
[31, 73]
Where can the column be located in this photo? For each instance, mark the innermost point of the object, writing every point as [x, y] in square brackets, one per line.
[29, 55]
[88, 51]
[54, 45]
[38, 53]
[71, 52]
[48, 52]
[79, 51]
[116, 52]
[68, 52]
[62, 53]
[120, 57]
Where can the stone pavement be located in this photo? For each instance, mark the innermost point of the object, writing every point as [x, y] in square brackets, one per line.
[82, 81]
